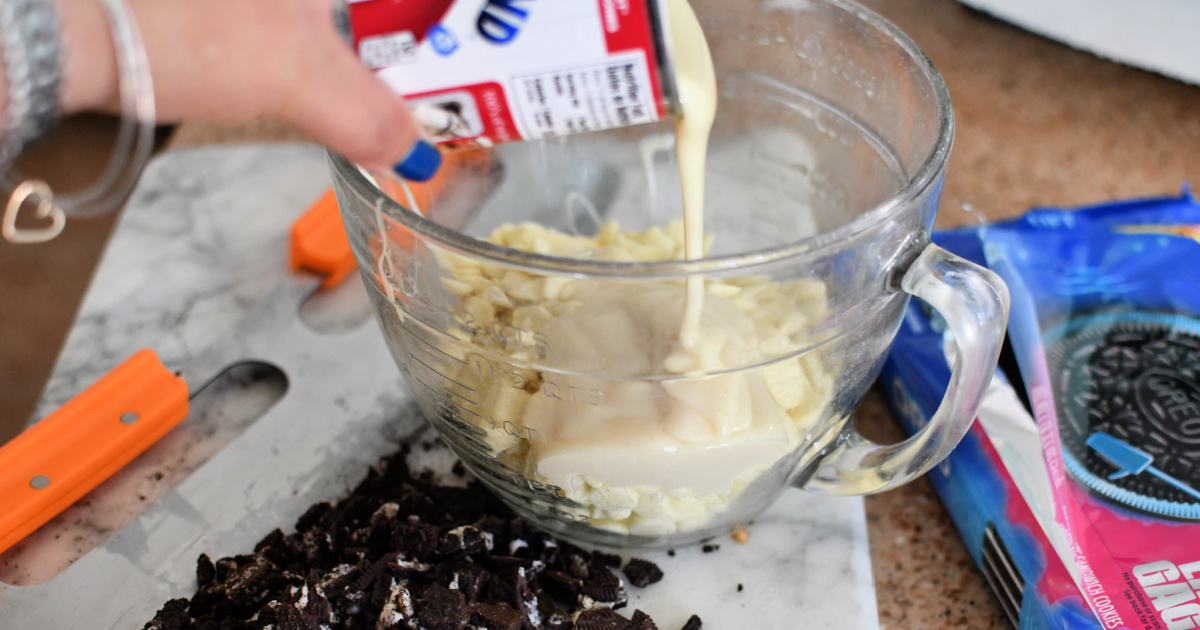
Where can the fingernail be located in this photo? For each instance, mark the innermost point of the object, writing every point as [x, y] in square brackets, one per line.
[422, 162]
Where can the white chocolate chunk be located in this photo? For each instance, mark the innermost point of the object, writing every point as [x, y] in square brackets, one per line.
[641, 456]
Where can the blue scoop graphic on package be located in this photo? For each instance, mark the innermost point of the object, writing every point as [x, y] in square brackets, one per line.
[1131, 460]
[442, 40]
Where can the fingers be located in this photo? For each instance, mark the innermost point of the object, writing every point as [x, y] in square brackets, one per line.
[341, 104]
[236, 60]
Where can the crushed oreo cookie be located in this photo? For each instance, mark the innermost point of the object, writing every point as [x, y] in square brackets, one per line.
[642, 573]
[640, 621]
[401, 552]
[600, 619]
[693, 623]
[607, 559]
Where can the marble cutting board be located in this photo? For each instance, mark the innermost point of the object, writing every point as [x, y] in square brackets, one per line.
[202, 241]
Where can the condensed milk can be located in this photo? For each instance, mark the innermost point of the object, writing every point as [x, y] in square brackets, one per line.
[479, 73]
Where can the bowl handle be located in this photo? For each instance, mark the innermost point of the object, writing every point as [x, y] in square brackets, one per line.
[974, 303]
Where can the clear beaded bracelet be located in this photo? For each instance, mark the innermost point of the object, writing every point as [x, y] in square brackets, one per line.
[135, 137]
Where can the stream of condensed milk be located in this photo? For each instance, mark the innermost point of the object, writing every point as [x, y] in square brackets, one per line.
[696, 85]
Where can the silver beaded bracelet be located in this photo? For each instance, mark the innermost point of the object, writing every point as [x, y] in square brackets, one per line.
[30, 42]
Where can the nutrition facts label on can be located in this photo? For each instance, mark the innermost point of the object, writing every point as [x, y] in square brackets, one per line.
[616, 93]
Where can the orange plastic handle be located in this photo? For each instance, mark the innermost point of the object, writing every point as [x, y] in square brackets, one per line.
[319, 244]
[63, 457]
[424, 194]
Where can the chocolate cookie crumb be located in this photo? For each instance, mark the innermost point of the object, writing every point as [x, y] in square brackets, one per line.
[402, 552]
[671, 552]
[641, 621]
[496, 617]
[710, 548]
[442, 609]
[561, 586]
[642, 573]
[600, 619]
[693, 623]
[607, 559]
[604, 586]
[174, 614]
[739, 588]
[205, 571]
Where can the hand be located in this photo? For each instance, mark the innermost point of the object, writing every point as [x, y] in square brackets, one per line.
[231, 61]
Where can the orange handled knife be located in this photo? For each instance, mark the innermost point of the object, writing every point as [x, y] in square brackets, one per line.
[52, 464]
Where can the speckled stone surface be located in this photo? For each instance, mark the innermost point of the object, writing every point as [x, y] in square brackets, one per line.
[1038, 124]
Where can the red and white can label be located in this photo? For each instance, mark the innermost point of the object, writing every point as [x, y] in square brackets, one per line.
[491, 71]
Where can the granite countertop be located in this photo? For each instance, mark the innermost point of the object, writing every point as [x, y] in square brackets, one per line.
[1038, 124]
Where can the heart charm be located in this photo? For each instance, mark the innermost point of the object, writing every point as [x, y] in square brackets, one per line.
[38, 191]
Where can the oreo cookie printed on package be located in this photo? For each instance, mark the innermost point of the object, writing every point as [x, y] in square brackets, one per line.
[1127, 386]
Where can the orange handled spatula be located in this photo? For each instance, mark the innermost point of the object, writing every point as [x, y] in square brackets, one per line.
[67, 454]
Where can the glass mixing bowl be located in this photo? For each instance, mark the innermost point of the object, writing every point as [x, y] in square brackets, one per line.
[550, 375]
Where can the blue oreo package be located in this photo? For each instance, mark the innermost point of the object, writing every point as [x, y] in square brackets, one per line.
[1081, 505]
